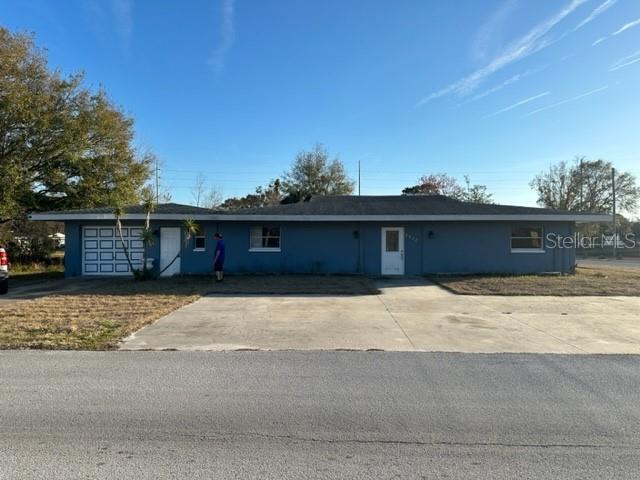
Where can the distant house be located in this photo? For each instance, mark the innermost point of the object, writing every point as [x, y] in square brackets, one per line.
[371, 235]
[58, 239]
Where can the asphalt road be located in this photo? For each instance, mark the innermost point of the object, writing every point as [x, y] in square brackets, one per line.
[318, 415]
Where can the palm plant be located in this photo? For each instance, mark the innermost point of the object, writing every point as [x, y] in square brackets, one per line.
[119, 212]
[147, 237]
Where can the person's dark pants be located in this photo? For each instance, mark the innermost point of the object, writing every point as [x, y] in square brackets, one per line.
[218, 266]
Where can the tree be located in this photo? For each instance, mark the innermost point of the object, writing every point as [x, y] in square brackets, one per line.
[476, 193]
[435, 184]
[212, 199]
[272, 194]
[586, 185]
[443, 184]
[313, 173]
[198, 189]
[203, 197]
[61, 145]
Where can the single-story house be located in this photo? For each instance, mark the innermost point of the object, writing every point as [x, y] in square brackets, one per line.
[370, 235]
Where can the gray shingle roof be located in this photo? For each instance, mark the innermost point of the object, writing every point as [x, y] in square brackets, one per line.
[392, 205]
[338, 207]
[162, 208]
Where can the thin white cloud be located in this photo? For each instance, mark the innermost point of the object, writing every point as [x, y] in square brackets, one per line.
[626, 64]
[123, 17]
[568, 100]
[226, 36]
[624, 61]
[500, 86]
[491, 30]
[627, 26]
[523, 47]
[518, 104]
[599, 10]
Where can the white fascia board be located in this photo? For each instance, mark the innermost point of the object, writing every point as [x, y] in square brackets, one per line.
[329, 218]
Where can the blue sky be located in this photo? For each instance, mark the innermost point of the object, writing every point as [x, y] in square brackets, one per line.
[234, 88]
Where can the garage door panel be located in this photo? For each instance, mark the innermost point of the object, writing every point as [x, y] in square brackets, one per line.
[103, 252]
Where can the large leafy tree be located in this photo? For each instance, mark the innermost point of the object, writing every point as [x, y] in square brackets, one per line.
[61, 145]
[586, 185]
[443, 184]
[272, 194]
[314, 173]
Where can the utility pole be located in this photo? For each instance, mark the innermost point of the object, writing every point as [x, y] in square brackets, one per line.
[615, 233]
[358, 177]
[581, 182]
[157, 183]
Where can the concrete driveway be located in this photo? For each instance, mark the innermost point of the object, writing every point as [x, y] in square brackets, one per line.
[408, 315]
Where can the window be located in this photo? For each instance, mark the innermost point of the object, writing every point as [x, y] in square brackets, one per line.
[526, 239]
[392, 243]
[264, 239]
[199, 242]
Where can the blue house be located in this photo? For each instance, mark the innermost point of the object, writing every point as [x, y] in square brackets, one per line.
[369, 235]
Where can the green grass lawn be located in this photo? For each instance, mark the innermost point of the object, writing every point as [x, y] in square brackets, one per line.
[30, 274]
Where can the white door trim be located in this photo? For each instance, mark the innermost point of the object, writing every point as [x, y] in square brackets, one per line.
[169, 247]
[392, 263]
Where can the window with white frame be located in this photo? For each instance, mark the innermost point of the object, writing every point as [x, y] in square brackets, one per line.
[264, 239]
[526, 239]
[199, 241]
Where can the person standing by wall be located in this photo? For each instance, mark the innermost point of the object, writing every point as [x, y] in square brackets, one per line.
[218, 258]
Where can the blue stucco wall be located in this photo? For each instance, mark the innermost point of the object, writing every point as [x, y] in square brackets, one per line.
[346, 247]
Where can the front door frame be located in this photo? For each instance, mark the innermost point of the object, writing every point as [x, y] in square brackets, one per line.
[383, 252]
[174, 269]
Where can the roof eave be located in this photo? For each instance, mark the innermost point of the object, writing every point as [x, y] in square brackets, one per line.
[546, 217]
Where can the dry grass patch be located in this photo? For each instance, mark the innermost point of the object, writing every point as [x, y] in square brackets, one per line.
[296, 284]
[96, 314]
[586, 282]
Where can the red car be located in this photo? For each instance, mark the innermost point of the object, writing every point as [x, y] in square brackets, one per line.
[4, 272]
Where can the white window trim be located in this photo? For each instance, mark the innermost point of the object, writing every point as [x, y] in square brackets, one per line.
[197, 249]
[527, 250]
[265, 249]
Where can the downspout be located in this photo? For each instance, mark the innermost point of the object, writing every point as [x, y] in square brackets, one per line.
[359, 264]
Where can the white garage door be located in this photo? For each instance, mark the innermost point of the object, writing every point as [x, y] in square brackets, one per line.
[102, 252]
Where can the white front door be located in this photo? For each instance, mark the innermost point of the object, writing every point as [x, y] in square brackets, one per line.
[169, 248]
[393, 251]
